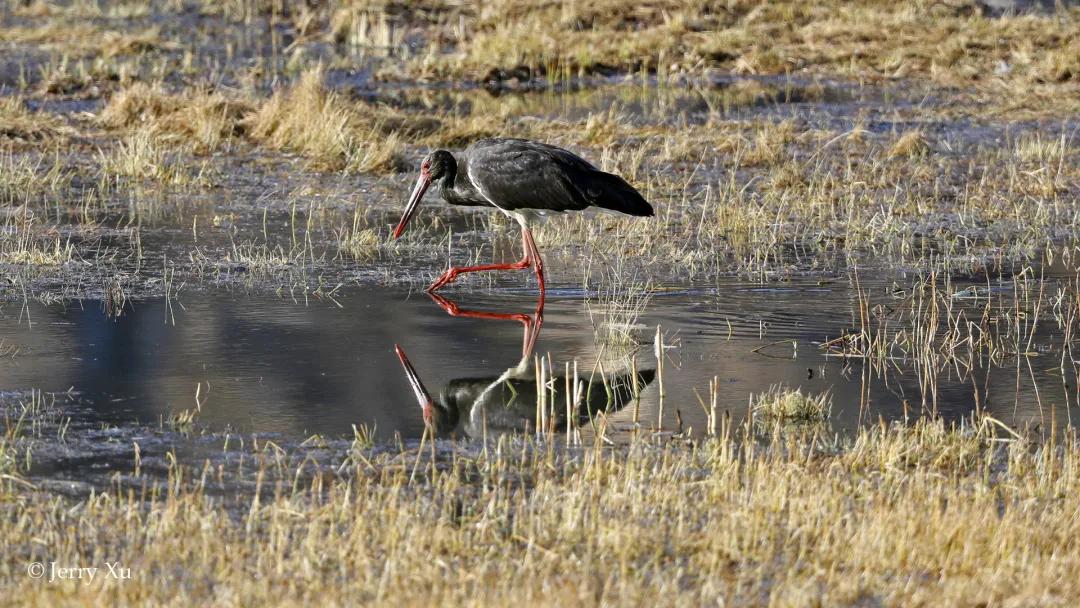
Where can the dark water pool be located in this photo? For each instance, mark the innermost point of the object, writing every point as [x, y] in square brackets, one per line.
[267, 364]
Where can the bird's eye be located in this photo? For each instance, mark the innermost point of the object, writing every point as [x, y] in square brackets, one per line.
[426, 165]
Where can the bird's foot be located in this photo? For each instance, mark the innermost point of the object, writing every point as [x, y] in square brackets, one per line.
[447, 277]
[453, 272]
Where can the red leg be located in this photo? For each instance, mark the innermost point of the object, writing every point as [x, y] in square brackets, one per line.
[452, 273]
[532, 323]
[531, 259]
[533, 254]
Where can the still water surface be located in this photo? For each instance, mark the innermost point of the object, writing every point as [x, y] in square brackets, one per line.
[266, 364]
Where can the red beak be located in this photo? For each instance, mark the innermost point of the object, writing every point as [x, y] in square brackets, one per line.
[414, 202]
[422, 396]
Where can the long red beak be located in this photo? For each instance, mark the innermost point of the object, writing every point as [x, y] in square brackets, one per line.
[422, 396]
[414, 202]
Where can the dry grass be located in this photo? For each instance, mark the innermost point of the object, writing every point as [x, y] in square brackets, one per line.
[202, 118]
[926, 515]
[318, 123]
[141, 156]
[817, 193]
[24, 242]
[953, 43]
[306, 118]
[362, 244]
[1028, 61]
[20, 125]
[786, 405]
[731, 196]
[911, 143]
[24, 177]
[71, 35]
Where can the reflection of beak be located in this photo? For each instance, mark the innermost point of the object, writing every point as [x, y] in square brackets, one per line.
[414, 202]
[422, 396]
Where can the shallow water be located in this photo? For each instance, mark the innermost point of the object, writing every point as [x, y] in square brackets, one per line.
[264, 364]
[253, 359]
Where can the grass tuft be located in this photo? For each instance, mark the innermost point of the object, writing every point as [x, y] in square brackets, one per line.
[786, 405]
[320, 124]
[21, 125]
[204, 120]
[911, 143]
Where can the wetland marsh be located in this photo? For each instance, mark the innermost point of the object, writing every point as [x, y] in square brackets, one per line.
[837, 367]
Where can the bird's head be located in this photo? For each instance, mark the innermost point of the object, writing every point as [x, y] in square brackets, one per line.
[436, 416]
[436, 166]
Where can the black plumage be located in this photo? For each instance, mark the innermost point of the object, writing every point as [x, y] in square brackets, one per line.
[515, 174]
[508, 403]
[522, 178]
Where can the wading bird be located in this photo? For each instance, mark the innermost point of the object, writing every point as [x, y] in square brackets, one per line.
[525, 180]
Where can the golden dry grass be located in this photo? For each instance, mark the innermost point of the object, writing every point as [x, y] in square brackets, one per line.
[911, 143]
[1028, 61]
[919, 516]
[332, 132]
[786, 405]
[74, 35]
[18, 124]
[318, 123]
[202, 118]
[25, 242]
[946, 42]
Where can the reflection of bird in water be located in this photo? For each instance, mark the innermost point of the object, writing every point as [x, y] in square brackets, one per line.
[508, 402]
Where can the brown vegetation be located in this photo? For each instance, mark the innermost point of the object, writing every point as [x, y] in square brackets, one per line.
[920, 515]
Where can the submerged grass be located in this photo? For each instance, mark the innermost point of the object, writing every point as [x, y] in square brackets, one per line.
[920, 515]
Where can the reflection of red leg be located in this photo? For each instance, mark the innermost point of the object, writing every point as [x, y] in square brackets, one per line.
[532, 322]
[531, 259]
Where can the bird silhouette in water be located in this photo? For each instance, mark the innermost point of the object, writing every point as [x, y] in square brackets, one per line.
[508, 402]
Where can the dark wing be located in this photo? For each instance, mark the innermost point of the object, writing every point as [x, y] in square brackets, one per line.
[522, 174]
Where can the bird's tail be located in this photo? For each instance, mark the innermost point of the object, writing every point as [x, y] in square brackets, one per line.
[612, 192]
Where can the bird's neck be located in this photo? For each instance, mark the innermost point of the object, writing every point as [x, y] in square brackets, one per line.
[446, 189]
[447, 410]
[446, 416]
[457, 191]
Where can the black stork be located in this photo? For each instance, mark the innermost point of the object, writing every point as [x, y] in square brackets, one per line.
[507, 403]
[525, 180]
